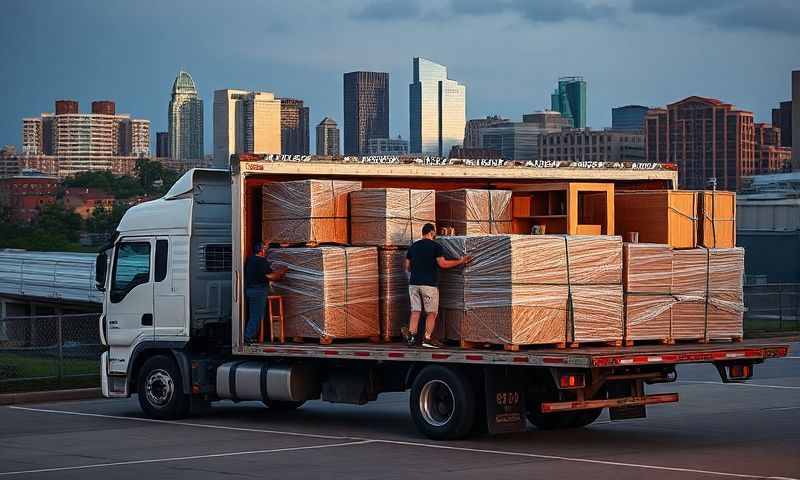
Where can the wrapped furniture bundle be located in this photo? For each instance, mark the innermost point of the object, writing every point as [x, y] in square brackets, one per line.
[707, 285]
[385, 217]
[474, 212]
[328, 292]
[647, 280]
[306, 211]
[518, 289]
[393, 293]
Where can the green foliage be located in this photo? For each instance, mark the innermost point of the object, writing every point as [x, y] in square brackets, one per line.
[104, 220]
[151, 179]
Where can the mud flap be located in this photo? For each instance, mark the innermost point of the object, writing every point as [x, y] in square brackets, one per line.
[505, 401]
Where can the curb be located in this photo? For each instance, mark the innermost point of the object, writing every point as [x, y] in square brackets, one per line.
[50, 396]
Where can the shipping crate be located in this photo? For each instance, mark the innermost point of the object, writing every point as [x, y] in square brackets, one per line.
[390, 217]
[329, 293]
[647, 282]
[395, 305]
[474, 212]
[597, 314]
[572, 208]
[717, 212]
[726, 283]
[689, 276]
[594, 260]
[306, 211]
[659, 216]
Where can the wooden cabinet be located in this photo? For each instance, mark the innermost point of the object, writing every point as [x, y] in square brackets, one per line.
[572, 208]
[659, 216]
[717, 212]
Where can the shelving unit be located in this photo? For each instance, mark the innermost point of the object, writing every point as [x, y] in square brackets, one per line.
[572, 208]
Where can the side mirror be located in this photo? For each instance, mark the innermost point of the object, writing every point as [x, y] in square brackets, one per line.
[100, 269]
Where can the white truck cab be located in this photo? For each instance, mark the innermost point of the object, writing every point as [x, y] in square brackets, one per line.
[166, 275]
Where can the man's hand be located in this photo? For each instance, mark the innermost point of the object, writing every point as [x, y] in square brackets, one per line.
[466, 259]
[277, 274]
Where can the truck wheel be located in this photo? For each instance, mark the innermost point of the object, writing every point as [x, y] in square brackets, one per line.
[283, 405]
[443, 403]
[160, 389]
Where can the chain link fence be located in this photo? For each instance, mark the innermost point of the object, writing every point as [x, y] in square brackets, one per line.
[772, 307]
[49, 352]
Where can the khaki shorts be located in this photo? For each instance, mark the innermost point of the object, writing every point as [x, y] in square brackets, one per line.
[424, 295]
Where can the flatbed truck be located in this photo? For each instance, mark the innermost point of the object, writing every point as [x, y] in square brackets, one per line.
[174, 310]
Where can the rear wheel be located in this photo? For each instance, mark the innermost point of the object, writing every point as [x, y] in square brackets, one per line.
[443, 403]
[160, 389]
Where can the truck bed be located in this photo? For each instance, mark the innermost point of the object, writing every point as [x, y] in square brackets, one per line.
[584, 357]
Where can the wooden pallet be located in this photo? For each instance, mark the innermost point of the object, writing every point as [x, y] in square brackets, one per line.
[600, 343]
[330, 340]
[509, 347]
[392, 248]
[650, 341]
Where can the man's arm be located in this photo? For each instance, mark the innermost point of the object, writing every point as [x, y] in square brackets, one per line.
[277, 275]
[444, 263]
[406, 265]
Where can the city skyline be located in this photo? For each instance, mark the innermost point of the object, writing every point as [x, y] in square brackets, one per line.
[302, 65]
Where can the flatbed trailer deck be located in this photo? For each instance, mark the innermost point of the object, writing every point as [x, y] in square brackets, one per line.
[754, 350]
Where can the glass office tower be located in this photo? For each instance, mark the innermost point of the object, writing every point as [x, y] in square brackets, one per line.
[437, 109]
[569, 98]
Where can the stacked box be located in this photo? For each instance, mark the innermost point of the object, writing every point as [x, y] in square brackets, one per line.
[328, 292]
[306, 211]
[513, 292]
[394, 302]
[385, 217]
[647, 282]
[659, 216]
[707, 284]
[474, 212]
[717, 212]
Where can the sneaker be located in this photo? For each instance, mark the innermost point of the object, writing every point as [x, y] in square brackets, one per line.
[250, 341]
[431, 343]
[409, 337]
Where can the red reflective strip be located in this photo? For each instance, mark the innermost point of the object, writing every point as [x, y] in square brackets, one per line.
[361, 354]
[269, 350]
[396, 355]
[440, 356]
[552, 360]
[294, 350]
[330, 352]
[753, 353]
[474, 357]
[521, 359]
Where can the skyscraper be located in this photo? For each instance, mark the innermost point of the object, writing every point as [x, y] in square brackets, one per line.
[327, 137]
[796, 120]
[245, 122]
[185, 119]
[294, 127]
[366, 109]
[162, 144]
[437, 109]
[569, 98]
[472, 130]
[629, 118]
[706, 138]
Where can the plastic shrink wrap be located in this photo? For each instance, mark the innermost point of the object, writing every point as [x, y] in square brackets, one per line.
[394, 302]
[647, 282]
[385, 217]
[474, 212]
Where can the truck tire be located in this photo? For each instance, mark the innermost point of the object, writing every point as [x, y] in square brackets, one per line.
[160, 389]
[443, 403]
[283, 405]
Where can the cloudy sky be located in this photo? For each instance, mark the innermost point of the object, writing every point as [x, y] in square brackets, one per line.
[509, 53]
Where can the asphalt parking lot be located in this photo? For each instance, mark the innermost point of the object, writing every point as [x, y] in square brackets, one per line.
[716, 431]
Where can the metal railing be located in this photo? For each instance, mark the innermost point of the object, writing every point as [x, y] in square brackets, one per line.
[772, 307]
[47, 352]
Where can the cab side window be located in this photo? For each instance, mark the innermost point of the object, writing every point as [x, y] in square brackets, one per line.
[131, 268]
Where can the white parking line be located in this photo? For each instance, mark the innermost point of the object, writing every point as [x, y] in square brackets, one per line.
[358, 440]
[787, 387]
[178, 459]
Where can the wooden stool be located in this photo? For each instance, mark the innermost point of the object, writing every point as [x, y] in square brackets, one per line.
[275, 316]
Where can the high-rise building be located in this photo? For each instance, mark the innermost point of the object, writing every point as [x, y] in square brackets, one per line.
[387, 146]
[629, 118]
[245, 122]
[578, 145]
[366, 109]
[162, 144]
[185, 119]
[782, 118]
[85, 141]
[706, 138]
[770, 156]
[569, 98]
[294, 127]
[796, 120]
[9, 162]
[437, 109]
[472, 137]
[521, 140]
[327, 138]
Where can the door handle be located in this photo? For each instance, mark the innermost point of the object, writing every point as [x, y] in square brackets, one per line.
[147, 320]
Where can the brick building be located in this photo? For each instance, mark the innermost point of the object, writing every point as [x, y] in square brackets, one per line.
[84, 201]
[23, 195]
[770, 156]
[706, 138]
[580, 145]
[294, 127]
[472, 131]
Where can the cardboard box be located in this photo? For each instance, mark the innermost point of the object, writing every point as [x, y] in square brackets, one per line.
[647, 282]
[717, 212]
[387, 217]
[328, 292]
[660, 216]
[597, 313]
[595, 260]
[394, 306]
[306, 211]
[474, 212]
